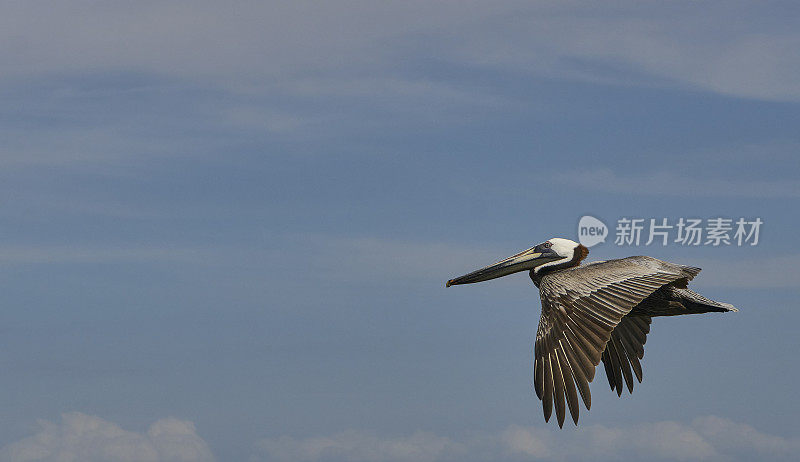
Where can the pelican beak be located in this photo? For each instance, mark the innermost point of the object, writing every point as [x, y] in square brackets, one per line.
[525, 260]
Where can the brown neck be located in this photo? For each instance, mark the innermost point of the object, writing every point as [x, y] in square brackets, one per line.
[580, 253]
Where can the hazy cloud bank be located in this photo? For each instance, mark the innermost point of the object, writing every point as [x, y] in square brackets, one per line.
[705, 438]
[85, 438]
[744, 52]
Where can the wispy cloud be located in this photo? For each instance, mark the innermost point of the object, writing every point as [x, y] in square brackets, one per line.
[375, 258]
[680, 185]
[421, 90]
[279, 41]
[705, 438]
[99, 147]
[764, 273]
[87, 438]
[252, 117]
[661, 49]
[77, 254]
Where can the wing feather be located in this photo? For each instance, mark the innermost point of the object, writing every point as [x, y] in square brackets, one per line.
[579, 374]
[632, 351]
[624, 351]
[625, 364]
[547, 401]
[582, 309]
[569, 385]
[612, 356]
[538, 374]
[558, 382]
[578, 350]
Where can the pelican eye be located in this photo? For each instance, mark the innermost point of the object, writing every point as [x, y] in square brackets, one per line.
[547, 245]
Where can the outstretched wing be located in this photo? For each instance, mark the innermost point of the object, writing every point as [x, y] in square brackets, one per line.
[581, 306]
[624, 350]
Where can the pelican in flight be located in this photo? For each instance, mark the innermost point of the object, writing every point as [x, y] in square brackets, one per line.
[598, 311]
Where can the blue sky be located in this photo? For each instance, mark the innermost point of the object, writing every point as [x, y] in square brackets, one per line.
[226, 228]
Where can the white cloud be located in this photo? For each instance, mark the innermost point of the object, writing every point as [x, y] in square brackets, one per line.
[362, 447]
[706, 438]
[529, 441]
[85, 438]
[744, 438]
[660, 441]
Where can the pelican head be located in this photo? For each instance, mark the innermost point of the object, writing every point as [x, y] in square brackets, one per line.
[549, 253]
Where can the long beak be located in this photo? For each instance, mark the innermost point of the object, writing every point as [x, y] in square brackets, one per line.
[522, 261]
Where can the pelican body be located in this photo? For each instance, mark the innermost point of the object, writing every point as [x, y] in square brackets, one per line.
[593, 312]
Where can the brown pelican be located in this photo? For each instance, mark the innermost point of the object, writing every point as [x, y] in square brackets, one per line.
[598, 311]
